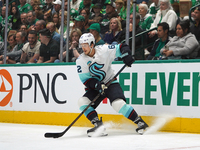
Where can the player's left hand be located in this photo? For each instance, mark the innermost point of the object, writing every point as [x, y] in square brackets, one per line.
[128, 60]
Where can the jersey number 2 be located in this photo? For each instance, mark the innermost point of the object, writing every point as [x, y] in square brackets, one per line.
[79, 69]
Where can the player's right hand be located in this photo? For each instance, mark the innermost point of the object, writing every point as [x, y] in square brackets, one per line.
[99, 86]
[128, 60]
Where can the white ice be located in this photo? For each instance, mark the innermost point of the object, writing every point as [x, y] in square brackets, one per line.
[31, 137]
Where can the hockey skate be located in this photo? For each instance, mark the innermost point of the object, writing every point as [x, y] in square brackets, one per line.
[141, 125]
[98, 130]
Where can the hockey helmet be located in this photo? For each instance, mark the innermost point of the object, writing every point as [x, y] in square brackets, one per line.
[87, 38]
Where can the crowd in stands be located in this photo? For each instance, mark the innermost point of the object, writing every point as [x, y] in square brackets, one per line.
[34, 29]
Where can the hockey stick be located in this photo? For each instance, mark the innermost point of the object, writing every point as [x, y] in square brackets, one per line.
[59, 134]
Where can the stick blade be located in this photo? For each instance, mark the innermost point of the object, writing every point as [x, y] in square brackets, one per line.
[52, 135]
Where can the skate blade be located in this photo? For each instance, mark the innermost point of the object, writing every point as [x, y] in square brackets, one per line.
[142, 131]
[101, 131]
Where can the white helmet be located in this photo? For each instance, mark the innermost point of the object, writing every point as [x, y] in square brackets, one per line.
[87, 38]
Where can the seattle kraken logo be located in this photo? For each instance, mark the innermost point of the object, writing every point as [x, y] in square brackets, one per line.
[95, 70]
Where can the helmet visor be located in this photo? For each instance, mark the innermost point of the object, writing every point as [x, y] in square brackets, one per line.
[83, 45]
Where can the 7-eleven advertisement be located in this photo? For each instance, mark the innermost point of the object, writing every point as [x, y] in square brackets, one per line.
[152, 89]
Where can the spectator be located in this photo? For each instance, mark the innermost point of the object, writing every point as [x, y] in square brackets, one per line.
[42, 3]
[24, 17]
[79, 23]
[1, 3]
[114, 32]
[195, 28]
[75, 4]
[66, 4]
[96, 16]
[74, 50]
[12, 3]
[142, 1]
[163, 39]
[15, 15]
[65, 24]
[1, 48]
[195, 3]
[49, 48]
[38, 12]
[139, 53]
[11, 44]
[23, 27]
[31, 50]
[123, 22]
[56, 21]
[165, 14]
[56, 6]
[2, 21]
[48, 6]
[146, 19]
[110, 13]
[24, 7]
[40, 25]
[13, 57]
[85, 4]
[183, 45]
[33, 3]
[123, 11]
[52, 28]
[85, 13]
[119, 5]
[95, 30]
[31, 18]
[47, 17]
[154, 7]
[73, 13]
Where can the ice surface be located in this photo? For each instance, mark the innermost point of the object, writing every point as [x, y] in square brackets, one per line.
[31, 137]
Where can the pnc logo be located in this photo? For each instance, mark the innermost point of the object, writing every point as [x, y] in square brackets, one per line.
[6, 87]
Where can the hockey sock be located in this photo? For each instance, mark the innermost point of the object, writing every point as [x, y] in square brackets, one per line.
[90, 113]
[128, 112]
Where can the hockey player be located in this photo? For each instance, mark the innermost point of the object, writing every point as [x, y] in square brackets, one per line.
[94, 70]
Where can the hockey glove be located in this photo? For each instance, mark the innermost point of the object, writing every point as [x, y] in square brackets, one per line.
[126, 55]
[100, 87]
[127, 59]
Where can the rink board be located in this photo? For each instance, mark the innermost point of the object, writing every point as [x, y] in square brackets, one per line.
[48, 94]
